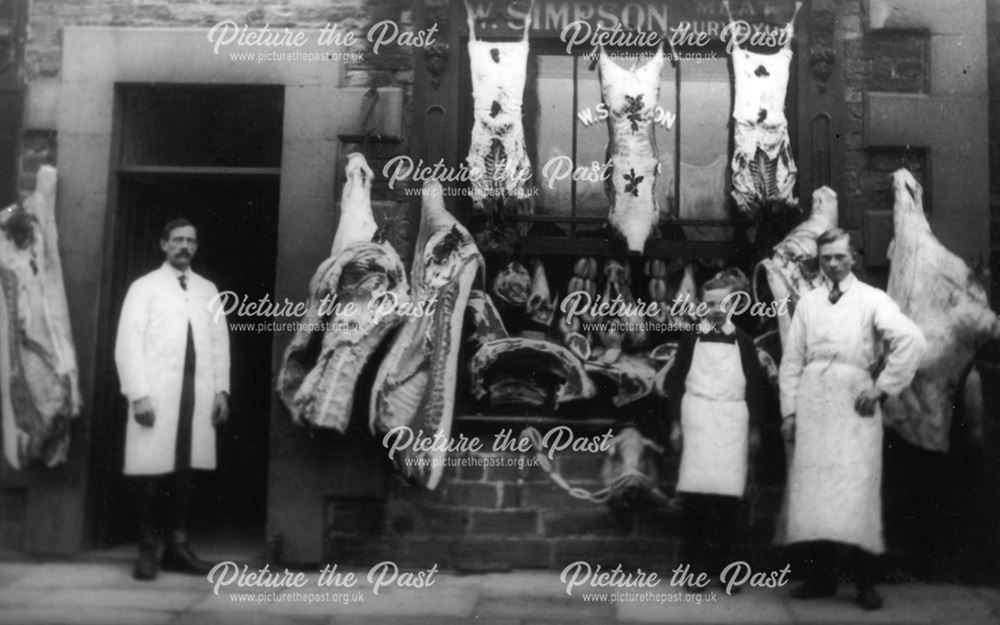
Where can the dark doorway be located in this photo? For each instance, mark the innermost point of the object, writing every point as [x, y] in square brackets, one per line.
[231, 194]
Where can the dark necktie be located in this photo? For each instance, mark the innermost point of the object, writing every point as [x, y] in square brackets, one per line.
[186, 414]
[835, 293]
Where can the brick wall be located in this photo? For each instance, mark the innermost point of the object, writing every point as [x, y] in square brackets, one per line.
[499, 517]
[894, 62]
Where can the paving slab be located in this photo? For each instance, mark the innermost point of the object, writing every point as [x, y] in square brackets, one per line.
[10, 597]
[904, 603]
[123, 599]
[674, 605]
[567, 609]
[44, 615]
[252, 618]
[538, 584]
[74, 575]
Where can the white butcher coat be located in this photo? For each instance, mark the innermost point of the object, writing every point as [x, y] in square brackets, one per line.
[149, 354]
[835, 478]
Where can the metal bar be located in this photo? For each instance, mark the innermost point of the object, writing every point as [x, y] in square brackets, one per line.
[199, 171]
[555, 246]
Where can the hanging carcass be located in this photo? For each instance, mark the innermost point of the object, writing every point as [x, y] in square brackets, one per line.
[631, 96]
[415, 384]
[39, 380]
[763, 167]
[498, 157]
[355, 299]
[793, 268]
[947, 300]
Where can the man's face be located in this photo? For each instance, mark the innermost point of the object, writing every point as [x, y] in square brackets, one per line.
[180, 246]
[835, 259]
[718, 308]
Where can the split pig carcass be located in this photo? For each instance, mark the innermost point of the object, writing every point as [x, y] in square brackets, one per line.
[344, 323]
[415, 384]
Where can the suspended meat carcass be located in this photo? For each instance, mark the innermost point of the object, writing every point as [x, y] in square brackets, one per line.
[793, 268]
[39, 379]
[947, 300]
[415, 384]
[631, 96]
[355, 299]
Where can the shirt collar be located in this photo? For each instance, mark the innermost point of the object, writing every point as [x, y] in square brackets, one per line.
[177, 273]
[846, 283]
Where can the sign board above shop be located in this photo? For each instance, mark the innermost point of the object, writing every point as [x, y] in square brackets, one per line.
[634, 24]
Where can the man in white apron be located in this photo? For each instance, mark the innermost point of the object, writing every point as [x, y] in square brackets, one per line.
[849, 347]
[172, 356]
[715, 393]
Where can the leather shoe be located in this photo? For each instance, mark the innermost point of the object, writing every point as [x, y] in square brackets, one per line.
[179, 557]
[813, 590]
[147, 567]
[869, 598]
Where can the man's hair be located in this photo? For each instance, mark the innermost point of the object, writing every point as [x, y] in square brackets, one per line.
[834, 234]
[173, 224]
[717, 284]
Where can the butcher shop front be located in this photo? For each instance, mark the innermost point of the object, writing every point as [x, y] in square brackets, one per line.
[529, 206]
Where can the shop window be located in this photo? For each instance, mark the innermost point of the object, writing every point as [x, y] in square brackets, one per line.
[565, 128]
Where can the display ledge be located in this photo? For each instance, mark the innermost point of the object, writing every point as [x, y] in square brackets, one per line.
[537, 421]
[723, 250]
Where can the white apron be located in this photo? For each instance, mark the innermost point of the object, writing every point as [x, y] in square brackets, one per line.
[834, 486]
[715, 422]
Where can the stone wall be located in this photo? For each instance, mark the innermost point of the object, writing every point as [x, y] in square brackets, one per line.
[391, 67]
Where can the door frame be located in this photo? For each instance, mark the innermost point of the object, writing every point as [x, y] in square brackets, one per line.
[60, 513]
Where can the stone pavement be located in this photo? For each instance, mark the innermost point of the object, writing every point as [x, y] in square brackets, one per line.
[104, 593]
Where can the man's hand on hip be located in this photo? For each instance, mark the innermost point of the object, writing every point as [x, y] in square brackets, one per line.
[142, 410]
[867, 401]
[220, 409]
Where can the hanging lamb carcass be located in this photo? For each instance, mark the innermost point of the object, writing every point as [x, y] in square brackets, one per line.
[793, 268]
[415, 384]
[947, 300]
[631, 96]
[498, 155]
[357, 294]
[763, 168]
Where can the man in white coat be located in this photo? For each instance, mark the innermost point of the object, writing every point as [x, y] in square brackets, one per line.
[172, 356]
[849, 347]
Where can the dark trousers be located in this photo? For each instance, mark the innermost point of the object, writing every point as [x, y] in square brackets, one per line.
[712, 530]
[177, 488]
[822, 557]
